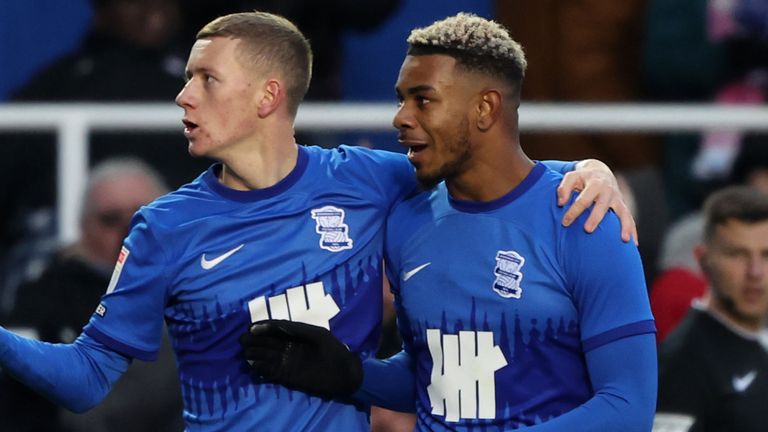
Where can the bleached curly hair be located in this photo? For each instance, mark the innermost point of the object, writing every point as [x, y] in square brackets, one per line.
[478, 44]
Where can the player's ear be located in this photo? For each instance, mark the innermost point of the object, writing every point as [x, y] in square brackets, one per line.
[488, 108]
[271, 97]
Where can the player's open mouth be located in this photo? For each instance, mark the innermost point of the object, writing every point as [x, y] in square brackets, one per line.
[415, 149]
[189, 127]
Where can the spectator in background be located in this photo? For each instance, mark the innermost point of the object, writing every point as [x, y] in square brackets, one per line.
[713, 369]
[57, 305]
[132, 53]
[680, 280]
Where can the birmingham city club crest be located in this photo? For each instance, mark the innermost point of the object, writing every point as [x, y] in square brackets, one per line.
[508, 274]
[334, 233]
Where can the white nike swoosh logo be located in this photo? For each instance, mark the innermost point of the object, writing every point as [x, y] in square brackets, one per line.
[209, 264]
[409, 274]
[742, 383]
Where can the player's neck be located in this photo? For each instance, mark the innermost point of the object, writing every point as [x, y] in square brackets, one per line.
[491, 174]
[260, 168]
[734, 320]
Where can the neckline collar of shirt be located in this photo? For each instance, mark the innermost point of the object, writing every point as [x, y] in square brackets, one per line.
[211, 179]
[488, 206]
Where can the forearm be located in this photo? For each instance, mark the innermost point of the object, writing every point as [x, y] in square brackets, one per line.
[625, 396]
[76, 376]
[389, 383]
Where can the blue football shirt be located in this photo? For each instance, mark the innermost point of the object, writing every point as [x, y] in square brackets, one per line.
[209, 260]
[497, 303]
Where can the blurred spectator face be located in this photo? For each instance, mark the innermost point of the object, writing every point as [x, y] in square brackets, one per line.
[735, 261]
[108, 213]
[146, 23]
[759, 180]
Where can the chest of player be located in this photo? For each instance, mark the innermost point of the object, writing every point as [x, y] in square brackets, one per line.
[480, 277]
[499, 318]
[319, 264]
[239, 256]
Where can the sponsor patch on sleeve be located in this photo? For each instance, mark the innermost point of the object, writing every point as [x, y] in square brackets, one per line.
[124, 252]
[101, 310]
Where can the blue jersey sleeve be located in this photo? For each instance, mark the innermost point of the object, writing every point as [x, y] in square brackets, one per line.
[607, 283]
[560, 166]
[625, 391]
[76, 376]
[389, 383]
[605, 276]
[399, 228]
[388, 174]
[129, 318]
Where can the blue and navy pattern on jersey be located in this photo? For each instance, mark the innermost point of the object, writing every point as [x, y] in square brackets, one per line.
[209, 260]
[497, 303]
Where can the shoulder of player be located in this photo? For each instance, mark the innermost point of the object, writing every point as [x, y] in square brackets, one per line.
[409, 215]
[539, 199]
[182, 205]
[547, 187]
[339, 158]
[421, 201]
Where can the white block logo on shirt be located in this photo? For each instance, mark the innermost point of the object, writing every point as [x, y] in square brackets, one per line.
[334, 233]
[308, 304]
[508, 274]
[463, 368]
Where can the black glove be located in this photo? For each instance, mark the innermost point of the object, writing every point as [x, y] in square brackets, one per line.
[302, 357]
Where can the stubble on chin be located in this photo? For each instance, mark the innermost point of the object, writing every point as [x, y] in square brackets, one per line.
[428, 182]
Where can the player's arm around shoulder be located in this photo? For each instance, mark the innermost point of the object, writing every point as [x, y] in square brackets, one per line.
[599, 190]
[383, 173]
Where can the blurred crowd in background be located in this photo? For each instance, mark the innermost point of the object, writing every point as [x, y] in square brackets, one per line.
[633, 51]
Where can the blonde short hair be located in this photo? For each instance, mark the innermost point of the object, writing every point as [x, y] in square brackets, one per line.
[272, 41]
[478, 44]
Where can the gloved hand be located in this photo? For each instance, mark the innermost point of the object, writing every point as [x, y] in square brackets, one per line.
[302, 357]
